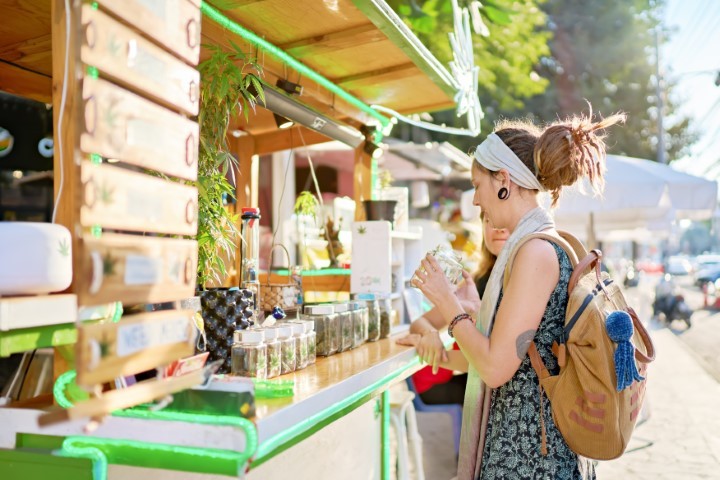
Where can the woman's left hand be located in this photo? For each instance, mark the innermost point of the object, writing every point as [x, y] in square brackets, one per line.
[432, 282]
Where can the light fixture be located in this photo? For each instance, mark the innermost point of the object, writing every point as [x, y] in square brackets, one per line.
[289, 87]
[372, 149]
[281, 103]
[282, 122]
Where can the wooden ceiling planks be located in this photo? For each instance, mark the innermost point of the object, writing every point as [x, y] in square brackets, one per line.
[339, 42]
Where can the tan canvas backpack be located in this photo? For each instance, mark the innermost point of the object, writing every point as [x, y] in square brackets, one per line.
[595, 418]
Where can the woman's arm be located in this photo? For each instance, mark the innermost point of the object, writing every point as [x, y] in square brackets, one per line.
[430, 321]
[455, 361]
[535, 275]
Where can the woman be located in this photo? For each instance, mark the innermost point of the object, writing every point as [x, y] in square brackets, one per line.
[439, 385]
[508, 430]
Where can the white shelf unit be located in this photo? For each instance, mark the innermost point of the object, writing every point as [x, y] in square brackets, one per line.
[384, 261]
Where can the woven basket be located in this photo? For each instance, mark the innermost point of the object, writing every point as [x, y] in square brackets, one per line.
[279, 294]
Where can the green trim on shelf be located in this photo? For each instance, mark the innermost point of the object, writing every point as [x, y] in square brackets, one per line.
[40, 465]
[385, 434]
[154, 455]
[301, 430]
[317, 273]
[217, 17]
[387, 21]
[25, 339]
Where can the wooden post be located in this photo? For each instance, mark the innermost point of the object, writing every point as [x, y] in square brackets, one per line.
[363, 182]
[65, 121]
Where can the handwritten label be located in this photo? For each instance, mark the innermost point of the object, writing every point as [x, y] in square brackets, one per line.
[142, 270]
[136, 337]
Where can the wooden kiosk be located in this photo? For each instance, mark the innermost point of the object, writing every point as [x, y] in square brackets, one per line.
[122, 78]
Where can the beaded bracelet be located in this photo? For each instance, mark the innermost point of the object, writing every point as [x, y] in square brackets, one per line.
[462, 316]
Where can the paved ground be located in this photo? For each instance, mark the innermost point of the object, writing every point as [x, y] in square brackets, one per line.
[680, 440]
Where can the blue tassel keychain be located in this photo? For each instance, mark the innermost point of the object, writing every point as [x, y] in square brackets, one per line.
[620, 329]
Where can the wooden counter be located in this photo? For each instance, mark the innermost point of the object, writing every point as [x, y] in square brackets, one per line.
[325, 392]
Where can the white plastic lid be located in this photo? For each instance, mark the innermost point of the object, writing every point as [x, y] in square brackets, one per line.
[340, 307]
[358, 305]
[298, 328]
[319, 310]
[271, 333]
[284, 331]
[252, 336]
[237, 336]
[309, 325]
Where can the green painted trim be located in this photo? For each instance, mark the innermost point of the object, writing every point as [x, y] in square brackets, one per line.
[41, 465]
[317, 273]
[385, 434]
[74, 448]
[154, 455]
[300, 431]
[380, 14]
[217, 17]
[25, 339]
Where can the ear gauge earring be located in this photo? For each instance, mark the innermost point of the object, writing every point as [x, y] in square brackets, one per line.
[503, 193]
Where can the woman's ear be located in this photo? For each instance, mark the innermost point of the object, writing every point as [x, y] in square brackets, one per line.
[504, 177]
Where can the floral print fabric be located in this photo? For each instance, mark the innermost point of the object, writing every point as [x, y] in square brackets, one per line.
[514, 438]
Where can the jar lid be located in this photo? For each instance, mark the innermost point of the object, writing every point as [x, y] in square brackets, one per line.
[271, 333]
[284, 331]
[298, 328]
[237, 336]
[358, 305]
[252, 336]
[319, 310]
[250, 212]
[309, 325]
[340, 307]
[366, 296]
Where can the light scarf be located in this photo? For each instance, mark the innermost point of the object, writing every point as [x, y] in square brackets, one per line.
[494, 155]
[476, 408]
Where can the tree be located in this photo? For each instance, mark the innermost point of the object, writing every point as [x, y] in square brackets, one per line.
[507, 56]
[547, 61]
[604, 53]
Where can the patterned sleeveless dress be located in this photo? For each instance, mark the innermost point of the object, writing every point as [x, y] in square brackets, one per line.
[512, 445]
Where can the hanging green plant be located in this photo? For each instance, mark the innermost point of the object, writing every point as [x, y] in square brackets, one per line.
[230, 84]
[306, 204]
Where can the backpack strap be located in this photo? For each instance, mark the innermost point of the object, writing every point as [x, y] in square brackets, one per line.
[558, 240]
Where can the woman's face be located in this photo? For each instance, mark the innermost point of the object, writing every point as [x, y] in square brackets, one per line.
[494, 238]
[485, 193]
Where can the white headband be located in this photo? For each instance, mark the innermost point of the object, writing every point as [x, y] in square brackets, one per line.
[494, 155]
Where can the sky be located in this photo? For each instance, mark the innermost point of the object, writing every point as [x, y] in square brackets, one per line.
[695, 47]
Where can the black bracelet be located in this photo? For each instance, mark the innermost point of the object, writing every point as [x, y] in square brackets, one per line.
[462, 316]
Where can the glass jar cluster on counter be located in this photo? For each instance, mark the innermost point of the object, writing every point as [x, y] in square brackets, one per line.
[321, 330]
[267, 352]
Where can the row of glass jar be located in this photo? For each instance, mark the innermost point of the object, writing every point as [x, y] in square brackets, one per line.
[342, 326]
[267, 352]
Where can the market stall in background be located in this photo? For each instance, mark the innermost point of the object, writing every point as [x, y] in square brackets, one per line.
[182, 175]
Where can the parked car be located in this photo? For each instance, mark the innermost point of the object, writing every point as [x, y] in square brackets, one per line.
[707, 275]
[678, 266]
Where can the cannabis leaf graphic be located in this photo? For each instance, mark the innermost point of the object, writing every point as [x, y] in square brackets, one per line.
[64, 248]
[362, 230]
[109, 264]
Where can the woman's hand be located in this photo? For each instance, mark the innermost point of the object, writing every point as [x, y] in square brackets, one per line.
[431, 350]
[468, 294]
[409, 340]
[432, 282]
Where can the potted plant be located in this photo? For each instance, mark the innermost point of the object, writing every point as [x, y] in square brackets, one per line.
[229, 85]
[382, 208]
